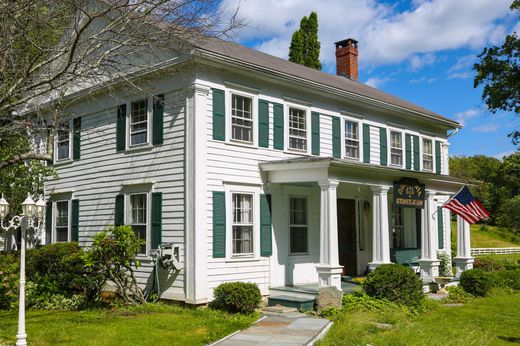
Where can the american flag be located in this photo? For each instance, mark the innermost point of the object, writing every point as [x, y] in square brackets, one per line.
[466, 206]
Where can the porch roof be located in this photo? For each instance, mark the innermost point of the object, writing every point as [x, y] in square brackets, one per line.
[314, 169]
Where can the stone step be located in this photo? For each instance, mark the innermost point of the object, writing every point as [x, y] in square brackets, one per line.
[300, 292]
[293, 301]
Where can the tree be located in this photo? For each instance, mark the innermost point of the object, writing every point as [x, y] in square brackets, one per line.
[305, 46]
[499, 72]
[50, 49]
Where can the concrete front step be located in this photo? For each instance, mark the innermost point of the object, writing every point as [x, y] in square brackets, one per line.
[293, 301]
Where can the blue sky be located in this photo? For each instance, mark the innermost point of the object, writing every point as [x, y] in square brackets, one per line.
[420, 50]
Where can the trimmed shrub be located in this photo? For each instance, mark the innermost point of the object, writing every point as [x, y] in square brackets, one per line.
[241, 297]
[508, 278]
[396, 283]
[477, 281]
[9, 280]
[488, 264]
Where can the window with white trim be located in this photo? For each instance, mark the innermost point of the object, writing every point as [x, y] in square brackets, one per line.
[398, 240]
[242, 224]
[63, 143]
[298, 226]
[139, 119]
[61, 223]
[351, 139]
[241, 118]
[297, 129]
[138, 216]
[427, 159]
[396, 148]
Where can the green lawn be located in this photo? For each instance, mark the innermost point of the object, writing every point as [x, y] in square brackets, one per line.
[153, 324]
[486, 321]
[488, 236]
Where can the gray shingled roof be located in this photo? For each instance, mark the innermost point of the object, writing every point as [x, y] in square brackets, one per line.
[248, 55]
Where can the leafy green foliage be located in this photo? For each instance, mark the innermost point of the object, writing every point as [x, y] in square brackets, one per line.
[395, 282]
[9, 280]
[305, 46]
[241, 297]
[499, 72]
[445, 265]
[456, 294]
[113, 255]
[476, 282]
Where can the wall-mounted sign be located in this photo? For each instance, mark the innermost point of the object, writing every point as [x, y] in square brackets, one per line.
[409, 193]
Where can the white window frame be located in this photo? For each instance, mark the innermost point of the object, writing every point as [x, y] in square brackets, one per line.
[149, 111]
[65, 159]
[54, 236]
[344, 138]
[255, 191]
[389, 146]
[229, 92]
[308, 129]
[307, 200]
[128, 216]
[423, 138]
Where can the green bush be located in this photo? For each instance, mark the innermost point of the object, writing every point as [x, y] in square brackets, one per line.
[488, 264]
[477, 282]
[508, 278]
[445, 265]
[241, 297]
[396, 283]
[456, 294]
[59, 269]
[9, 280]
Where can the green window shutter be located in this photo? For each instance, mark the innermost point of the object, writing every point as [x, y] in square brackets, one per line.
[278, 122]
[263, 123]
[219, 115]
[119, 217]
[416, 155]
[408, 149]
[383, 155]
[158, 120]
[438, 157]
[156, 219]
[315, 133]
[366, 143]
[76, 139]
[219, 224]
[48, 223]
[121, 128]
[440, 227]
[74, 222]
[336, 137]
[266, 248]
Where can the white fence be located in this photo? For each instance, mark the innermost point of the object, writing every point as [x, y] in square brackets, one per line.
[494, 250]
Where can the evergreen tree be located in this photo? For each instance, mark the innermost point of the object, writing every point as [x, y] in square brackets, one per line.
[305, 46]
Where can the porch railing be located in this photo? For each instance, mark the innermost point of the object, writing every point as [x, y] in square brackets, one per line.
[494, 250]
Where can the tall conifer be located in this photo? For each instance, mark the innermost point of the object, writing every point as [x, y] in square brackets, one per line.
[305, 46]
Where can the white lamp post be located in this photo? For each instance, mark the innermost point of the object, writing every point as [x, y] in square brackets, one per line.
[30, 212]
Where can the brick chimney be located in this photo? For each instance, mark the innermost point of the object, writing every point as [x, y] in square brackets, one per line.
[347, 58]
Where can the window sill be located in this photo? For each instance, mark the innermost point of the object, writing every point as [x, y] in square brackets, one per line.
[138, 148]
[251, 258]
[63, 162]
[353, 159]
[242, 144]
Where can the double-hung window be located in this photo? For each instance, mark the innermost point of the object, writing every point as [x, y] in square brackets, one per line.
[138, 213]
[396, 148]
[63, 143]
[242, 226]
[298, 225]
[398, 229]
[62, 221]
[241, 118]
[297, 129]
[427, 159]
[139, 119]
[351, 139]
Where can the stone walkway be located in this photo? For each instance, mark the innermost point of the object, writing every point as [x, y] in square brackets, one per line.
[284, 329]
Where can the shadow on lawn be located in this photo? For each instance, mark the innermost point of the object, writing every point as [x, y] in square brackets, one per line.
[514, 339]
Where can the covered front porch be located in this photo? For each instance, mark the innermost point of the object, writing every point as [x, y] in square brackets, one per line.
[333, 218]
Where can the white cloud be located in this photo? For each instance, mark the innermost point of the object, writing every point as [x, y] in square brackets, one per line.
[423, 80]
[471, 113]
[486, 128]
[385, 36]
[378, 82]
[501, 155]
[463, 63]
[418, 61]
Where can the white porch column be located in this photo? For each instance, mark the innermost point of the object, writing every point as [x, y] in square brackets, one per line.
[463, 261]
[195, 184]
[429, 263]
[381, 231]
[329, 270]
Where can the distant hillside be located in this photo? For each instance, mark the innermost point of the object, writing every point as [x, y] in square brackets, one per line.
[487, 236]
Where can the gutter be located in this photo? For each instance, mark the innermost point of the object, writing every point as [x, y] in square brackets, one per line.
[219, 58]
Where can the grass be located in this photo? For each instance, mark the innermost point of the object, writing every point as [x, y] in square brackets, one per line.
[485, 321]
[151, 324]
[486, 236]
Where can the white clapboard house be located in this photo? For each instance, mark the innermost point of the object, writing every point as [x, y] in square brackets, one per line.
[256, 169]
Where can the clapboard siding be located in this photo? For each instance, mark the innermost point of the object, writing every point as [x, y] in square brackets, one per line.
[98, 177]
